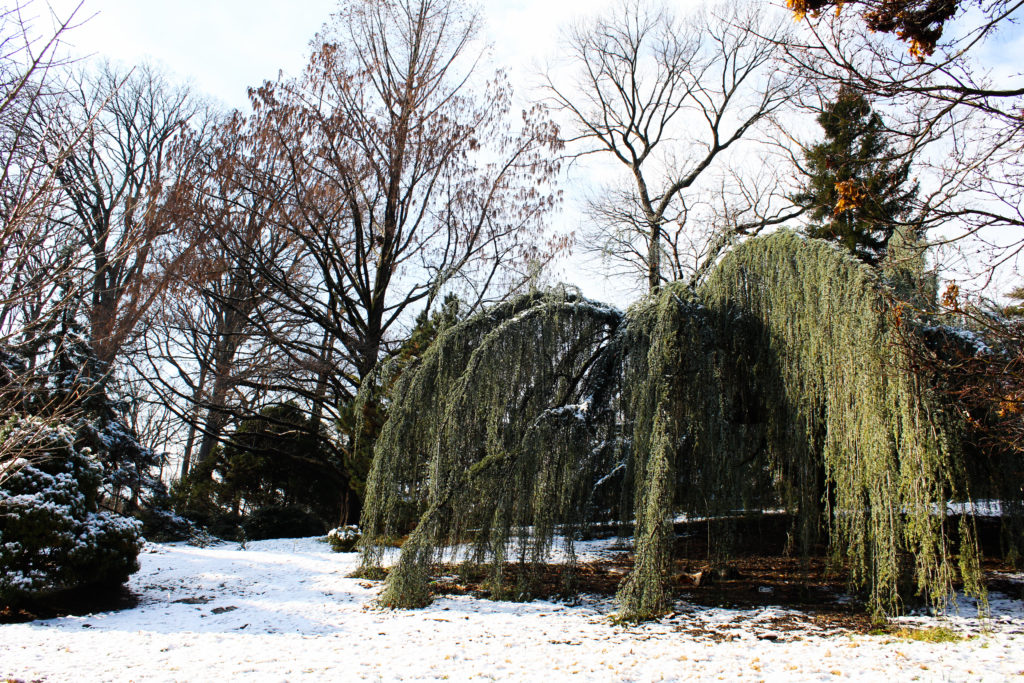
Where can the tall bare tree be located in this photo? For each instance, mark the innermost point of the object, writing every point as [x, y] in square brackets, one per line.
[212, 352]
[120, 186]
[406, 172]
[404, 177]
[667, 98]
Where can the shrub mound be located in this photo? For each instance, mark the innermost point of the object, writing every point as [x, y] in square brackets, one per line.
[344, 538]
[53, 536]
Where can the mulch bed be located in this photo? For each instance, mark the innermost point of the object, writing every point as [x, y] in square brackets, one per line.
[757, 572]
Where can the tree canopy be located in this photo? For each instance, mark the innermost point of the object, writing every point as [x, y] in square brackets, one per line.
[780, 382]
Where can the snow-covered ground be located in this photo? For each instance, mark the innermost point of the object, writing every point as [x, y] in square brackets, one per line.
[284, 611]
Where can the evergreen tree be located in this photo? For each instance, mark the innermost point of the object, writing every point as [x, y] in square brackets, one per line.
[857, 190]
[53, 534]
[62, 451]
[275, 472]
[780, 382]
[360, 421]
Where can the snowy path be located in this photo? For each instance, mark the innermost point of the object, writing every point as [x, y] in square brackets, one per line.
[284, 611]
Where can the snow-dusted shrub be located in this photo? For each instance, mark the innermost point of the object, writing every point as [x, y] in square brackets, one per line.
[53, 536]
[201, 538]
[162, 525]
[128, 468]
[343, 539]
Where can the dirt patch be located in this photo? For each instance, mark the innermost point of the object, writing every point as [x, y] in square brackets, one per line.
[794, 585]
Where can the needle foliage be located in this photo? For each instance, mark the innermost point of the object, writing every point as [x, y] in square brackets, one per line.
[500, 433]
[780, 382]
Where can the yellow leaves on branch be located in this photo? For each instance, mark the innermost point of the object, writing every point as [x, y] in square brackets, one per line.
[918, 23]
[799, 8]
[849, 196]
[1011, 404]
[951, 297]
[919, 50]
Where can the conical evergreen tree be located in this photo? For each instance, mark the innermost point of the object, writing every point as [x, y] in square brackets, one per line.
[857, 190]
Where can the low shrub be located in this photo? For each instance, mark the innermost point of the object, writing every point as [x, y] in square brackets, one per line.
[53, 536]
[344, 538]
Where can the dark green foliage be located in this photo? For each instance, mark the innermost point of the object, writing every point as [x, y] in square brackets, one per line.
[856, 190]
[781, 383]
[68, 382]
[281, 521]
[53, 536]
[273, 478]
[195, 498]
[160, 522]
[359, 422]
[500, 434]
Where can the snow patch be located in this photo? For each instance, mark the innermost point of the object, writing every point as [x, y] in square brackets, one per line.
[286, 610]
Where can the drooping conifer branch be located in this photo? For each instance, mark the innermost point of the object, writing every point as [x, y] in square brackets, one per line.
[497, 436]
[838, 393]
[780, 382]
[783, 380]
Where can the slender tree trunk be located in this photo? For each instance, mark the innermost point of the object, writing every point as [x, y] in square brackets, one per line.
[190, 441]
[372, 343]
[323, 372]
[216, 416]
[654, 257]
[215, 421]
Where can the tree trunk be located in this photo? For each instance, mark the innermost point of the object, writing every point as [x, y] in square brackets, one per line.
[216, 416]
[190, 440]
[654, 257]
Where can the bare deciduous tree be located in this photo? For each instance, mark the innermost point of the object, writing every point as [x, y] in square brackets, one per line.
[402, 177]
[211, 353]
[120, 184]
[667, 98]
[406, 179]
